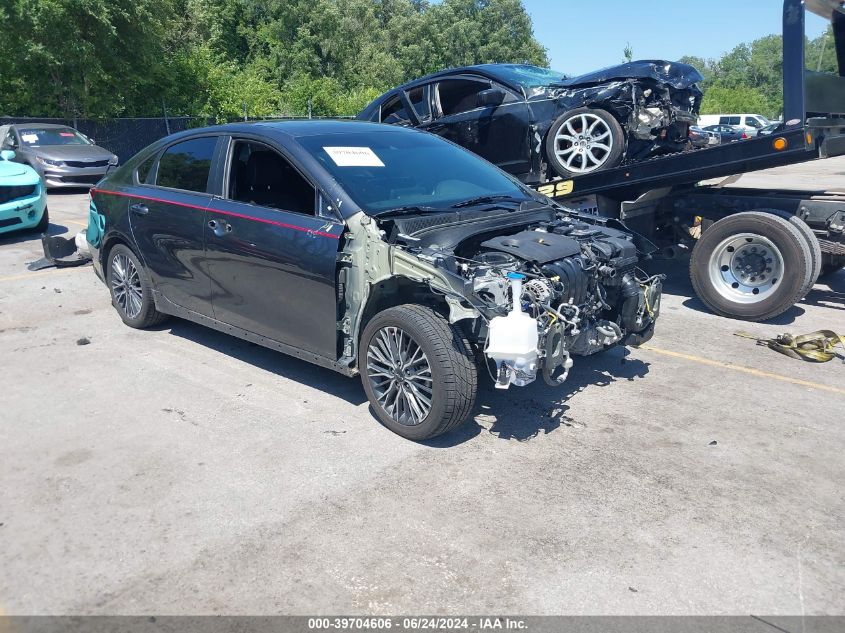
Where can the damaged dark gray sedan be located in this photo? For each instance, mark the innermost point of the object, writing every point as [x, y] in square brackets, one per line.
[537, 125]
[321, 239]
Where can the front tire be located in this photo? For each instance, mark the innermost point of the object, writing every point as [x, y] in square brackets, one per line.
[418, 371]
[583, 141]
[131, 290]
[752, 266]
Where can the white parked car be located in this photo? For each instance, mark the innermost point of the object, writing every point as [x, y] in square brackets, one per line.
[748, 123]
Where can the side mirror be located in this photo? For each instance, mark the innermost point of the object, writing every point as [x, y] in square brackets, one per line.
[490, 97]
[7, 154]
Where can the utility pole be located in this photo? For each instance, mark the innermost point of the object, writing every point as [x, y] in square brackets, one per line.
[166, 122]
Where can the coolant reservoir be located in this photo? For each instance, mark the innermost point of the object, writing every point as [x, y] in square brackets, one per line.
[513, 340]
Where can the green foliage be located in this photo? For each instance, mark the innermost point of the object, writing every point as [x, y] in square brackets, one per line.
[101, 58]
[721, 99]
[750, 77]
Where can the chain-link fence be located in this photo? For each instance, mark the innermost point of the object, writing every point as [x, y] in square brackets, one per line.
[126, 137]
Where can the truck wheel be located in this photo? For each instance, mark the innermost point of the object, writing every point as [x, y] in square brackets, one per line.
[418, 371]
[752, 266]
[583, 141]
[812, 243]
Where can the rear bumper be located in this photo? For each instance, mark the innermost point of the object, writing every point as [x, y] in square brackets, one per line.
[23, 213]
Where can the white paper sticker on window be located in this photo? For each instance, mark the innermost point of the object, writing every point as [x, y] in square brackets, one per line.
[29, 138]
[354, 157]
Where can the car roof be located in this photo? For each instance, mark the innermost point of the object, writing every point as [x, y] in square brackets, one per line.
[40, 126]
[490, 71]
[291, 129]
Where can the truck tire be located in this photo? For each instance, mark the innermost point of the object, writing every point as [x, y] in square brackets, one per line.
[418, 371]
[583, 141]
[751, 266]
[812, 243]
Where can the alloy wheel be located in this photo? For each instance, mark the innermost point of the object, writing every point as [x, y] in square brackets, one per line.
[126, 286]
[583, 143]
[400, 376]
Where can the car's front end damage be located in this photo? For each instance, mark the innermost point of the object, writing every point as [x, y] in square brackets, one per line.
[655, 102]
[531, 287]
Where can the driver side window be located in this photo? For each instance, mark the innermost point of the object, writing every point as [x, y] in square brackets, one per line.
[261, 176]
[455, 96]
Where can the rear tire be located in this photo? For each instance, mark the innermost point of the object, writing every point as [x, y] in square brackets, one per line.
[752, 266]
[583, 141]
[130, 288]
[812, 243]
[418, 371]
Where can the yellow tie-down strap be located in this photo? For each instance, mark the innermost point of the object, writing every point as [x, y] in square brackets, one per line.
[816, 347]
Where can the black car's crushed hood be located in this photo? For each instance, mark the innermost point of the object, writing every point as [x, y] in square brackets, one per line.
[675, 74]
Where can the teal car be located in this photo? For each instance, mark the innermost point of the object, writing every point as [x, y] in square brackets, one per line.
[23, 199]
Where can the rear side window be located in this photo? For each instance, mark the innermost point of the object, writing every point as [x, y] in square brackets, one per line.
[144, 169]
[186, 165]
[393, 111]
[419, 100]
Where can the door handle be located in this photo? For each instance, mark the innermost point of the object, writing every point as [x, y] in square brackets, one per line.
[140, 208]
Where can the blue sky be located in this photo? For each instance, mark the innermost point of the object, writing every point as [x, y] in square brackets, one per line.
[582, 36]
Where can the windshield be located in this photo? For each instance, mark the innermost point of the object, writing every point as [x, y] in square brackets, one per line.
[392, 169]
[34, 136]
[528, 76]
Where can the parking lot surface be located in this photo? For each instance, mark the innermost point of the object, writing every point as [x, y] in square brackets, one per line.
[180, 470]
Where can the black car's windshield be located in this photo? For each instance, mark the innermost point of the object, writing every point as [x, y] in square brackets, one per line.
[528, 76]
[400, 169]
[34, 136]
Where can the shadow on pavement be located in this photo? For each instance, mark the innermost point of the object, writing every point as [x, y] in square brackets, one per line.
[348, 389]
[524, 413]
[28, 235]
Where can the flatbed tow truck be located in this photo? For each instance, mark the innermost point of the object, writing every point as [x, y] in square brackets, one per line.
[755, 252]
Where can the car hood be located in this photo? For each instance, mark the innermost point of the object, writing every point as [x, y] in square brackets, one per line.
[675, 74]
[12, 174]
[72, 152]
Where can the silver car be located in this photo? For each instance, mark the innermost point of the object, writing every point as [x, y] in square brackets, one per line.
[62, 156]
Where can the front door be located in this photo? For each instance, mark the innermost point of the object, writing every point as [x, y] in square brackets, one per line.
[271, 258]
[498, 133]
[167, 216]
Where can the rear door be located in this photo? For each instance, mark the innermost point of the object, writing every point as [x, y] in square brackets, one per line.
[271, 256]
[167, 216]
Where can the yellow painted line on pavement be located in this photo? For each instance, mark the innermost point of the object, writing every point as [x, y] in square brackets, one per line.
[746, 370]
[40, 273]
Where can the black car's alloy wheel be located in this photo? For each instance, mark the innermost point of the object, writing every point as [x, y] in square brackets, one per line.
[584, 141]
[130, 289]
[418, 371]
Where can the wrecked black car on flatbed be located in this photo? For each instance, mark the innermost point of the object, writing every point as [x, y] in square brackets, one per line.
[372, 250]
[537, 125]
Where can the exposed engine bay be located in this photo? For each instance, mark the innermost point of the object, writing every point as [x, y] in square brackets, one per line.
[563, 285]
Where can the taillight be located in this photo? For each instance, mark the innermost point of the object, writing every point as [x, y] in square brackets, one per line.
[744, 135]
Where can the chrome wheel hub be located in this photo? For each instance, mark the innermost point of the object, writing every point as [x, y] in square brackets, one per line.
[746, 268]
[400, 376]
[126, 286]
[583, 143]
